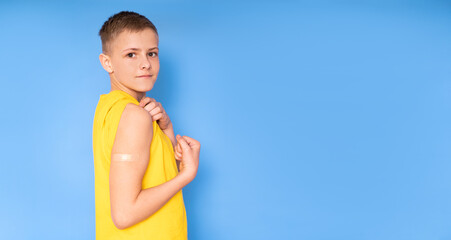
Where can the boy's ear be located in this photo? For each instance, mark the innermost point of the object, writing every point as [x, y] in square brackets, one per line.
[106, 62]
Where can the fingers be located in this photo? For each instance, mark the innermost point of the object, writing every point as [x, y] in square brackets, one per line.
[157, 116]
[191, 141]
[155, 111]
[144, 101]
[185, 146]
[154, 108]
[151, 106]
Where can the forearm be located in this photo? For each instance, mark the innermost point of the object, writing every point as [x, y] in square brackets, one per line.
[150, 200]
[169, 131]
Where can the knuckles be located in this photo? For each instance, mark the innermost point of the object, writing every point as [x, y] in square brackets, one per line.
[151, 106]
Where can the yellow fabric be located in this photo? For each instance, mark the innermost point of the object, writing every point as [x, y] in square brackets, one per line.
[169, 222]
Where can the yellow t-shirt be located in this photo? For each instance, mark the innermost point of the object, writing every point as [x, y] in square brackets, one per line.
[169, 222]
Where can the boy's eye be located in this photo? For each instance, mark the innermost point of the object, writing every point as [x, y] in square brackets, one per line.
[153, 54]
[130, 55]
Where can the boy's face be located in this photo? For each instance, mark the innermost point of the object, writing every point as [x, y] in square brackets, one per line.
[134, 60]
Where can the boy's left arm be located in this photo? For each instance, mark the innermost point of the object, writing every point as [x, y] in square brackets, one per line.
[158, 114]
[169, 131]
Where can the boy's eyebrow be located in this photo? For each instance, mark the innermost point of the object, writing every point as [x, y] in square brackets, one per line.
[137, 49]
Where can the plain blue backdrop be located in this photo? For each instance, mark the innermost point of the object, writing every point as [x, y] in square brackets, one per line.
[317, 119]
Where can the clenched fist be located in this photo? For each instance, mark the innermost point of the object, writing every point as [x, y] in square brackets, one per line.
[187, 151]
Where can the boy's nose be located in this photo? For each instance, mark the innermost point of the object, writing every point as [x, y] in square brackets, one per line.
[145, 64]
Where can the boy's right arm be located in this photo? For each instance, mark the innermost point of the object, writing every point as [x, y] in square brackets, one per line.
[130, 203]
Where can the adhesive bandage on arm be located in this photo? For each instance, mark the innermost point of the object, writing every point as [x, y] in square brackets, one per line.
[124, 157]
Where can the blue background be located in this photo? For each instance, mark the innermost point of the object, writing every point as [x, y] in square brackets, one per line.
[317, 119]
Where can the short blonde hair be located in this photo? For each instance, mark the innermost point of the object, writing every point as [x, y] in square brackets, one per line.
[119, 22]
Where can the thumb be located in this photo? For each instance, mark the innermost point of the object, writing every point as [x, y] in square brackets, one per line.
[178, 148]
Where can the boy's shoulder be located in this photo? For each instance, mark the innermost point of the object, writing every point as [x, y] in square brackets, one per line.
[129, 110]
[135, 113]
[116, 104]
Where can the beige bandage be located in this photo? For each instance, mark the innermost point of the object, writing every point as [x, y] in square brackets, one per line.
[123, 157]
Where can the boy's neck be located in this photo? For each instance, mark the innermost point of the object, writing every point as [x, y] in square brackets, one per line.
[137, 95]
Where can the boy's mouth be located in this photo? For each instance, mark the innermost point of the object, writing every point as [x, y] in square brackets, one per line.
[145, 76]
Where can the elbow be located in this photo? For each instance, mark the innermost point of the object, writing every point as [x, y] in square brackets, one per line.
[121, 220]
[119, 224]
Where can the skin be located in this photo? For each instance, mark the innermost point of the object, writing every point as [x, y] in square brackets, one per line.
[130, 204]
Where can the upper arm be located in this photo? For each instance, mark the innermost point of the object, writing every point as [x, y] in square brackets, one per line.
[133, 136]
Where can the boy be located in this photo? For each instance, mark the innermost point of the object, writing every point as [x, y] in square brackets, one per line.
[140, 167]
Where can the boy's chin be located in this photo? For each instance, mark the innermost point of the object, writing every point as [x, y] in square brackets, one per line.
[143, 88]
